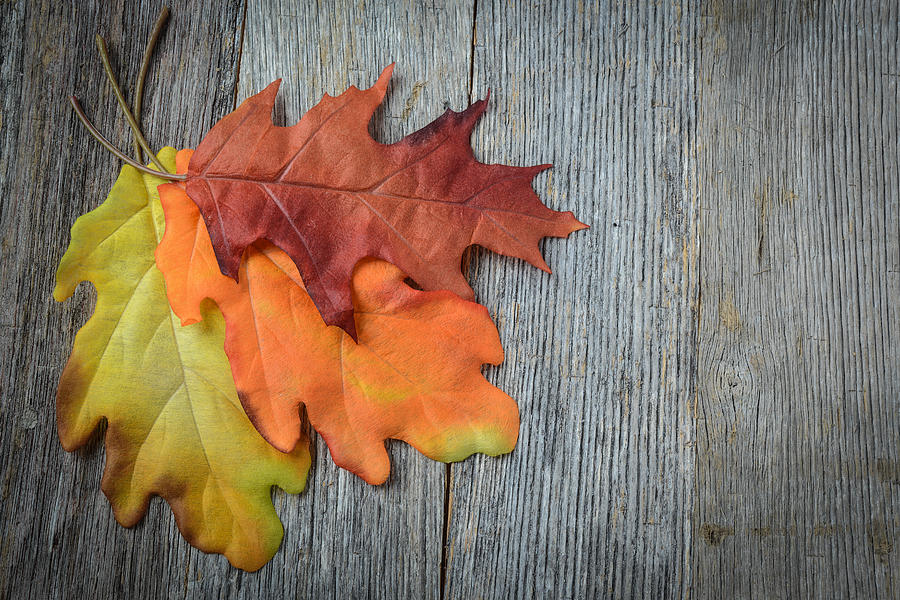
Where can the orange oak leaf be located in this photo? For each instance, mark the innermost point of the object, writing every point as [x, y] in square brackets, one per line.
[415, 374]
[329, 195]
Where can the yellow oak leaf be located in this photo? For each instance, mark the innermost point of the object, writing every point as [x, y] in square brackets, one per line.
[176, 426]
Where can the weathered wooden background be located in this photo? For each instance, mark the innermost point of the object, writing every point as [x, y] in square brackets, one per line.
[709, 382]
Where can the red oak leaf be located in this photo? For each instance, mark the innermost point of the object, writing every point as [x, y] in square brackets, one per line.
[329, 195]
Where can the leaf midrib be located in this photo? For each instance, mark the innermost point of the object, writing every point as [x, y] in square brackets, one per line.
[264, 183]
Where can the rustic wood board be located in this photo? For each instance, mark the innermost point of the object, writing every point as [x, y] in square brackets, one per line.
[708, 382]
[599, 354]
[799, 342]
[59, 537]
[347, 539]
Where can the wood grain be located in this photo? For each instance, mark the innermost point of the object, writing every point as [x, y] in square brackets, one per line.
[799, 354]
[708, 382]
[347, 539]
[598, 354]
[59, 537]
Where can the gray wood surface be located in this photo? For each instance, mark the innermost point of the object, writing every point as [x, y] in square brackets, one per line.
[708, 382]
[59, 537]
[355, 540]
[798, 373]
[594, 501]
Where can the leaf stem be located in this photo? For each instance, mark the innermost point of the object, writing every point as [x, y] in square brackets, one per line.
[108, 145]
[104, 56]
[145, 65]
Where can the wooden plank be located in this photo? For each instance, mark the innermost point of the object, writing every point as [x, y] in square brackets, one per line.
[58, 537]
[347, 539]
[799, 385]
[599, 354]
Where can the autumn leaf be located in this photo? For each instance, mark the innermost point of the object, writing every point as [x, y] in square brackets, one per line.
[415, 374]
[176, 426]
[329, 195]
